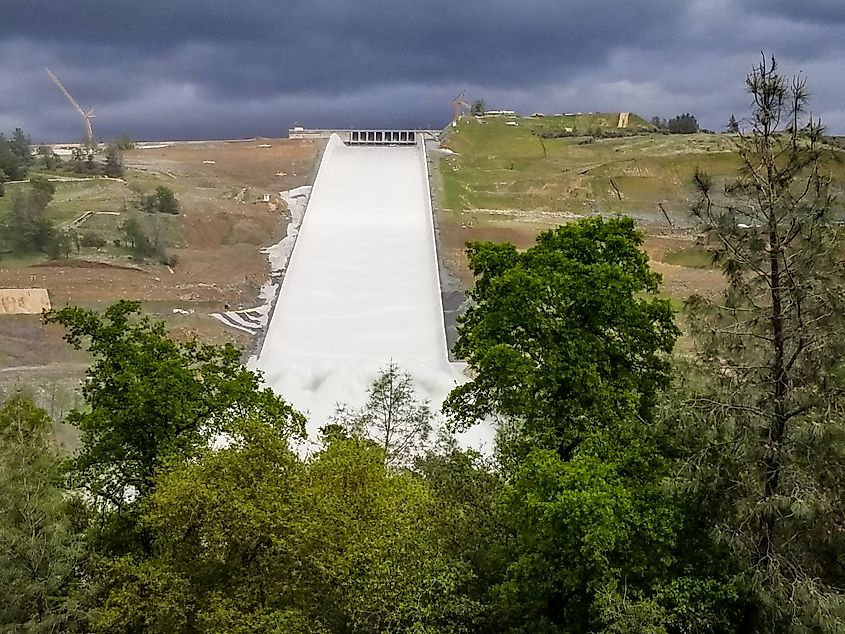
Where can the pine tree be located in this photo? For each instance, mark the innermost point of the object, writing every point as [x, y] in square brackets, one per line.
[773, 462]
[392, 418]
[39, 547]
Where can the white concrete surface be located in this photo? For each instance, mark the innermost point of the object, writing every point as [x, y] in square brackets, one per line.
[361, 287]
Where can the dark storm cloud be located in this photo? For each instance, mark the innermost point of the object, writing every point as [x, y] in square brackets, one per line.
[190, 68]
[814, 11]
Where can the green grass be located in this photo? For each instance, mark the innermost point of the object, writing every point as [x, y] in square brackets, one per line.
[16, 261]
[695, 257]
[502, 167]
[74, 198]
[677, 302]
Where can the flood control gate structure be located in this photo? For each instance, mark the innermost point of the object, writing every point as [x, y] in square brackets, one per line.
[382, 137]
[351, 136]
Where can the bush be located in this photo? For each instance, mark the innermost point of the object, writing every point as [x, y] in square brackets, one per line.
[92, 239]
[61, 245]
[124, 143]
[114, 162]
[162, 201]
[169, 259]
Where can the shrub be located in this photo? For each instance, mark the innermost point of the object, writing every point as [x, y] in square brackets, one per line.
[162, 201]
[92, 239]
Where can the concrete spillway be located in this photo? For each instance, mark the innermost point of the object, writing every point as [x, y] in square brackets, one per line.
[362, 285]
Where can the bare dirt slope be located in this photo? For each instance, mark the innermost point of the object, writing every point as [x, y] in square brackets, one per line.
[217, 238]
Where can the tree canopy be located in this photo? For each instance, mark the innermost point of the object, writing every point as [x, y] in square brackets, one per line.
[39, 546]
[771, 349]
[150, 397]
[568, 335]
[682, 124]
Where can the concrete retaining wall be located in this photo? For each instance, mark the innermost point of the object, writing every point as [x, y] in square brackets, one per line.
[23, 301]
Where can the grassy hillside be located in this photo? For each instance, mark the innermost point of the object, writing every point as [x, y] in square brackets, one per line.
[505, 168]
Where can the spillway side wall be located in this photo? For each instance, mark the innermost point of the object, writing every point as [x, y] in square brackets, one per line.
[423, 157]
[333, 144]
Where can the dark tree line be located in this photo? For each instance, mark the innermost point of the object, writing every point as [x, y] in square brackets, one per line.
[681, 124]
[15, 158]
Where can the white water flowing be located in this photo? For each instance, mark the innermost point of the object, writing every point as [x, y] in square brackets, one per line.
[361, 288]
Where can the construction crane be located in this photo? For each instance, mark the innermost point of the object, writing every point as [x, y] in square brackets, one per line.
[86, 116]
[460, 105]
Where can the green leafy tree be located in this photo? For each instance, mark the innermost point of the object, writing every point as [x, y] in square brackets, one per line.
[39, 548]
[10, 161]
[770, 455]
[47, 157]
[114, 161]
[229, 545]
[387, 569]
[43, 189]
[566, 336]
[21, 146]
[149, 397]
[467, 493]
[251, 538]
[26, 227]
[392, 417]
[162, 201]
[137, 241]
[124, 143]
[61, 246]
[568, 343]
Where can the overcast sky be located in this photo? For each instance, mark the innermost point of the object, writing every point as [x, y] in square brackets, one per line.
[193, 69]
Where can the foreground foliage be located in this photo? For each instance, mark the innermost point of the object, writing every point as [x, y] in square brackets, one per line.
[569, 346]
[251, 538]
[150, 397]
[40, 547]
[630, 491]
[773, 457]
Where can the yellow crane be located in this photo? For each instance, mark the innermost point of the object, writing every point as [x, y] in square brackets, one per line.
[460, 105]
[86, 116]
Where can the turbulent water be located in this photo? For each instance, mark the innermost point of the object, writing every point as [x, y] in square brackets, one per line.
[361, 288]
